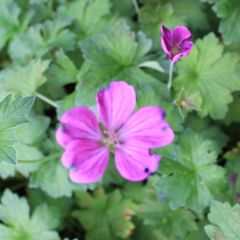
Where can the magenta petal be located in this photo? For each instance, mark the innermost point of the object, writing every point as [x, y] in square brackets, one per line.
[166, 39]
[175, 58]
[180, 33]
[115, 104]
[87, 161]
[78, 123]
[135, 163]
[186, 48]
[148, 128]
[62, 138]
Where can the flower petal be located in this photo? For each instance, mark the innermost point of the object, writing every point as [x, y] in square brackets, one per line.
[148, 128]
[87, 161]
[180, 33]
[186, 47]
[175, 58]
[62, 138]
[166, 39]
[78, 123]
[115, 104]
[135, 163]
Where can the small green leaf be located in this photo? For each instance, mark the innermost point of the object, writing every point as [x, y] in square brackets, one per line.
[63, 70]
[9, 21]
[27, 135]
[12, 114]
[105, 216]
[13, 111]
[107, 55]
[225, 221]
[212, 73]
[167, 224]
[40, 39]
[190, 178]
[193, 12]
[91, 17]
[18, 224]
[24, 80]
[209, 131]
[229, 13]
[52, 178]
[152, 65]
[187, 103]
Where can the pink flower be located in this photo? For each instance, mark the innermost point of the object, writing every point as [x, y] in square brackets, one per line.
[88, 142]
[176, 43]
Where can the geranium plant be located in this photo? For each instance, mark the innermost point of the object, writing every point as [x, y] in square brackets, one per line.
[119, 120]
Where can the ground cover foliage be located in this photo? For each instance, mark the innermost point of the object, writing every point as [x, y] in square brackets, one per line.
[57, 54]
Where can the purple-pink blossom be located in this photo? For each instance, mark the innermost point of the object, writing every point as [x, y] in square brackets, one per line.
[176, 43]
[88, 139]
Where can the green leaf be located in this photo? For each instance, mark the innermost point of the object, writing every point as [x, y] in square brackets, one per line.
[12, 114]
[32, 132]
[52, 178]
[61, 205]
[17, 223]
[152, 65]
[107, 55]
[27, 45]
[155, 13]
[233, 114]
[229, 13]
[105, 216]
[209, 131]
[23, 152]
[225, 221]
[27, 135]
[91, 17]
[212, 73]
[63, 70]
[13, 111]
[209, 1]
[166, 224]
[9, 21]
[193, 12]
[24, 80]
[40, 39]
[158, 221]
[190, 178]
[123, 8]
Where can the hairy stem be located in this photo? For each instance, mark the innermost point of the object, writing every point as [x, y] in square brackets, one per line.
[47, 100]
[44, 159]
[169, 85]
[137, 9]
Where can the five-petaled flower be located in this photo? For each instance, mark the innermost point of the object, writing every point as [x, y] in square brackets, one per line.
[176, 43]
[88, 140]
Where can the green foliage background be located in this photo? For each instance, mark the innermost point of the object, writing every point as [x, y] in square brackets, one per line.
[60, 53]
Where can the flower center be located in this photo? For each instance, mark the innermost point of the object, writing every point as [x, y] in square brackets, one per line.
[110, 138]
[175, 49]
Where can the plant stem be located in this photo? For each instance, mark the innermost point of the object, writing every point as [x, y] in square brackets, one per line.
[47, 100]
[44, 159]
[169, 85]
[137, 9]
